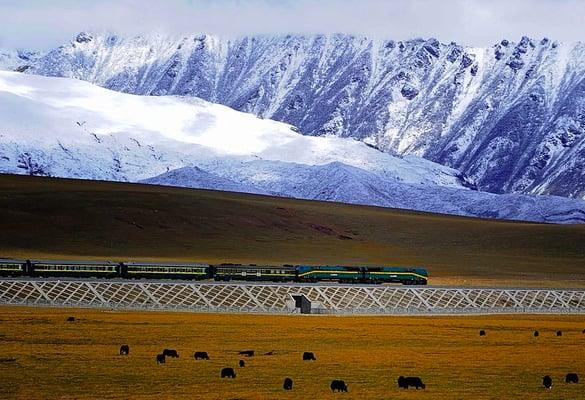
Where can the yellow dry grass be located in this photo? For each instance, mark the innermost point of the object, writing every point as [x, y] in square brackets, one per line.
[57, 359]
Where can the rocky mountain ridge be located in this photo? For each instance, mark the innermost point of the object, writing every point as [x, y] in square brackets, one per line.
[510, 116]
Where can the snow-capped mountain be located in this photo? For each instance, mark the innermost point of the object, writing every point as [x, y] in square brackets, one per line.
[511, 116]
[69, 128]
[65, 127]
[343, 183]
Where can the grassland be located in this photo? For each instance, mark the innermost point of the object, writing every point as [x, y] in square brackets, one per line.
[59, 218]
[57, 359]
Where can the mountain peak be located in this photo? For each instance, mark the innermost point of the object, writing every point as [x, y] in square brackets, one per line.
[500, 115]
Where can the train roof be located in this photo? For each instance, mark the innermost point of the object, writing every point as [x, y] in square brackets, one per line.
[73, 262]
[10, 261]
[258, 266]
[165, 264]
[402, 268]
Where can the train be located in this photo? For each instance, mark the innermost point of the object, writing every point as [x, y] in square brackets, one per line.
[219, 272]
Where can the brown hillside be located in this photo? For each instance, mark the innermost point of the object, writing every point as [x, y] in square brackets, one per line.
[62, 218]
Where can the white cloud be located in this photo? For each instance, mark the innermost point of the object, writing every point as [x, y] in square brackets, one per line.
[46, 23]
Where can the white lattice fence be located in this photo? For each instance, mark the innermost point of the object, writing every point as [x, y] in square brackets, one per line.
[277, 298]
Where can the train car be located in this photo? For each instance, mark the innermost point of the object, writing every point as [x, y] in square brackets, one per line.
[406, 276]
[335, 273]
[273, 273]
[78, 269]
[13, 268]
[222, 272]
[166, 271]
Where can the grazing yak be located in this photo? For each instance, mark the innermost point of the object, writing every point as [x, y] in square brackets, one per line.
[308, 356]
[160, 359]
[124, 350]
[559, 333]
[288, 384]
[338, 385]
[170, 353]
[70, 319]
[547, 382]
[572, 378]
[414, 381]
[247, 353]
[228, 373]
[482, 333]
[242, 363]
[201, 355]
[536, 333]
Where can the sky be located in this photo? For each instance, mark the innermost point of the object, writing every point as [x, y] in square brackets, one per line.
[42, 24]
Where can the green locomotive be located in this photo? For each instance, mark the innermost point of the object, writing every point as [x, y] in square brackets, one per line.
[345, 274]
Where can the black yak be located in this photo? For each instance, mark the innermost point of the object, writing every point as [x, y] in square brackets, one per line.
[414, 381]
[170, 353]
[288, 384]
[572, 378]
[201, 355]
[228, 373]
[338, 385]
[124, 350]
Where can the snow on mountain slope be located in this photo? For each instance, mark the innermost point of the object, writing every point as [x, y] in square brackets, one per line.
[343, 183]
[511, 116]
[69, 128]
[65, 127]
[194, 177]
